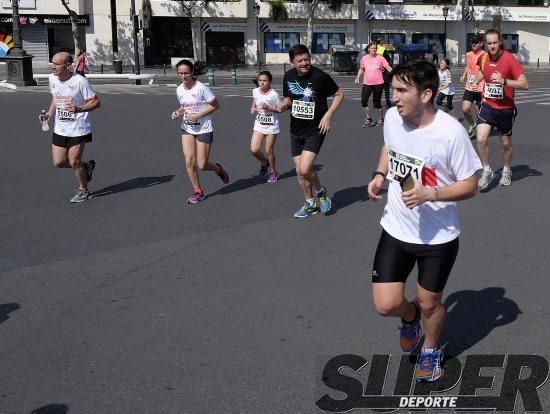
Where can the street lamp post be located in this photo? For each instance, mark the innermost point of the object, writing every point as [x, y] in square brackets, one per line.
[18, 62]
[445, 14]
[135, 25]
[257, 14]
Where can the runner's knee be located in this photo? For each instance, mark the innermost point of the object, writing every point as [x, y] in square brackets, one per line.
[202, 164]
[387, 306]
[429, 307]
[75, 162]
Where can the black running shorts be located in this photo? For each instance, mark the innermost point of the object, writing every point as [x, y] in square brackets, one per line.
[308, 142]
[472, 96]
[501, 119]
[395, 259]
[68, 142]
[377, 98]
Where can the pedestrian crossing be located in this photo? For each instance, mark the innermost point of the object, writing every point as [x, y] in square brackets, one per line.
[535, 95]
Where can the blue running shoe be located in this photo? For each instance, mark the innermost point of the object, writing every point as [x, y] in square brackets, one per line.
[410, 332]
[81, 196]
[89, 165]
[324, 202]
[306, 210]
[428, 365]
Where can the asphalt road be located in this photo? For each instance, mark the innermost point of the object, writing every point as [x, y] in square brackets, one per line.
[137, 302]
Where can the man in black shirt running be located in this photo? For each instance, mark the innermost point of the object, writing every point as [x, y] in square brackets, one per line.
[305, 90]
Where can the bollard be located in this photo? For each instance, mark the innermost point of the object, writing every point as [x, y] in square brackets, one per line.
[164, 68]
[538, 63]
[211, 77]
[233, 76]
[133, 69]
[284, 67]
[102, 68]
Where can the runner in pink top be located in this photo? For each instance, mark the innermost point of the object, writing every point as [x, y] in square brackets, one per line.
[372, 66]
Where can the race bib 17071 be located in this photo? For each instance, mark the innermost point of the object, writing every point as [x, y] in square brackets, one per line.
[303, 109]
[401, 164]
[265, 119]
[494, 90]
[64, 115]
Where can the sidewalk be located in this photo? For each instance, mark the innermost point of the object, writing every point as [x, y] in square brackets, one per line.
[166, 74]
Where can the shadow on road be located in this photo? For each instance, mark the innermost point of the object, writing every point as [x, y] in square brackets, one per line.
[348, 196]
[244, 183]
[142, 182]
[6, 309]
[472, 315]
[519, 172]
[52, 409]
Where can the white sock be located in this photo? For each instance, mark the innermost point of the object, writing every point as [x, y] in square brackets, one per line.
[487, 168]
[506, 169]
[318, 191]
[310, 201]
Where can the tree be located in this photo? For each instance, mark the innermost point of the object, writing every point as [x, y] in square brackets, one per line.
[275, 12]
[75, 28]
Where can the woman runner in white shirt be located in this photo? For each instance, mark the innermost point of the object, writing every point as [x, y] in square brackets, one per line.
[266, 125]
[197, 103]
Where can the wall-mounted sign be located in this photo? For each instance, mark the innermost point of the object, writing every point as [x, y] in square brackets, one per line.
[83, 20]
[302, 27]
[513, 14]
[23, 4]
[223, 27]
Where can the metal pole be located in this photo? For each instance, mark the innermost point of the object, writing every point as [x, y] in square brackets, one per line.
[258, 40]
[445, 44]
[136, 51]
[17, 42]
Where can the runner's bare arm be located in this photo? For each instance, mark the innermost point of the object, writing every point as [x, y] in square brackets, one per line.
[212, 106]
[519, 83]
[283, 106]
[377, 181]
[253, 107]
[90, 104]
[324, 125]
[50, 111]
[459, 190]
[463, 77]
[359, 74]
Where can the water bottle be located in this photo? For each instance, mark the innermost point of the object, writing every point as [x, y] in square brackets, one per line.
[44, 119]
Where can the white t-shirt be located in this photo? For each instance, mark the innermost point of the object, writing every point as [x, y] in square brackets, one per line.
[195, 100]
[445, 78]
[439, 155]
[78, 90]
[266, 122]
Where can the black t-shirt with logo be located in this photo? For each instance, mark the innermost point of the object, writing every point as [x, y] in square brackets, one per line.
[309, 98]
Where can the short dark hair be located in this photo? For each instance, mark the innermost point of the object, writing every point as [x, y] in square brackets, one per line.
[297, 49]
[420, 74]
[447, 61]
[478, 38]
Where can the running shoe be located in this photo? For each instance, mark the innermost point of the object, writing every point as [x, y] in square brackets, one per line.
[90, 166]
[506, 178]
[306, 210]
[485, 180]
[368, 123]
[324, 202]
[195, 198]
[472, 130]
[222, 174]
[428, 364]
[263, 170]
[380, 123]
[411, 332]
[273, 177]
[81, 196]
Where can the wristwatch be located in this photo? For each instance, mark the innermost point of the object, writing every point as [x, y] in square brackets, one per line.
[374, 174]
[505, 81]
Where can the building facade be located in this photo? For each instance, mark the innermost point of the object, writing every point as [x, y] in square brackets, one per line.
[240, 32]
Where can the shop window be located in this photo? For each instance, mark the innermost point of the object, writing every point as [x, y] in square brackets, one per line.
[511, 42]
[434, 42]
[280, 42]
[394, 39]
[323, 41]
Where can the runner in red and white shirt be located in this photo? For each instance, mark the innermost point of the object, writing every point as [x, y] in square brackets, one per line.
[475, 60]
[502, 75]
